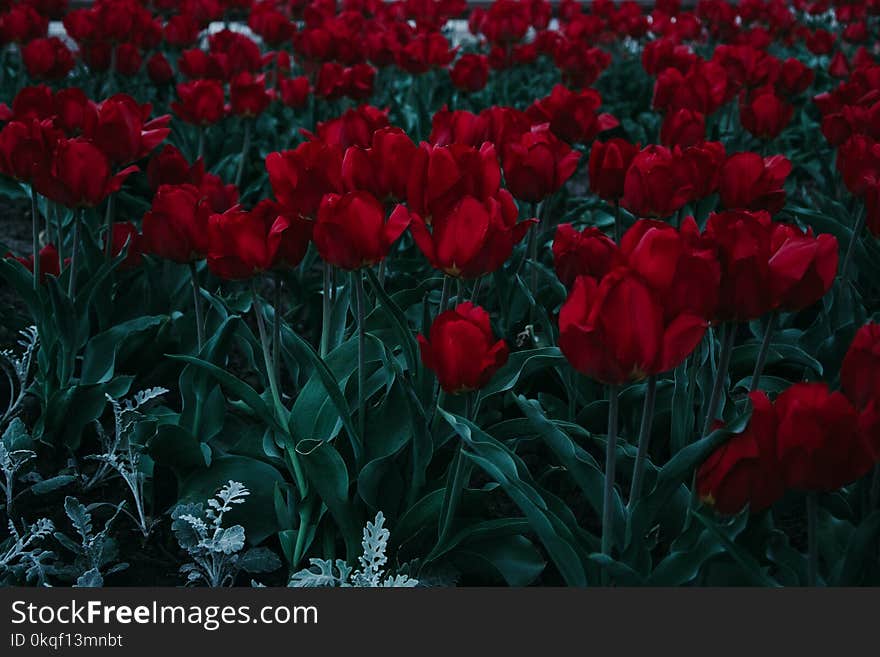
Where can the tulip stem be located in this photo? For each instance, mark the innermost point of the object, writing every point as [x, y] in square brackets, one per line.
[644, 439]
[326, 308]
[763, 352]
[728, 336]
[456, 481]
[108, 226]
[267, 355]
[35, 226]
[533, 274]
[197, 305]
[853, 240]
[245, 147]
[362, 346]
[610, 465]
[59, 231]
[71, 284]
[200, 153]
[475, 295]
[812, 539]
[444, 294]
[276, 329]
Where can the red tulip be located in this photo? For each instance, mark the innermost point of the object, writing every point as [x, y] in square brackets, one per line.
[505, 124]
[750, 182]
[586, 253]
[703, 162]
[384, 169]
[794, 78]
[461, 349]
[424, 52]
[474, 239]
[273, 26]
[125, 236]
[458, 127]
[579, 63]
[819, 446]
[295, 92]
[301, 177]
[73, 111]
[196, 64]
[330, 81]
[122, 128]
[538, 164]
[49, 262]
[609, 162]
[128, 59]
[860, 372]
[441, 176]
[80, 175]
[159, 70]
[820, 42]
[47, 59]
[680, 265]
[358, 81]
[242, 243]
[657, 183]
[169, 167]
[22, 23]
[351, 230]
[248, 95]
[470, 73]
[744, 243]
[572, 114]
[683, 128]
[802, 267]
[354, 128]
[26, 149]
[744, 470]
[702, 89]
[218, 195]
[31, 103]
[176, 227]
[765, 115]
[614, 329]
[201, 102]
[858, 160]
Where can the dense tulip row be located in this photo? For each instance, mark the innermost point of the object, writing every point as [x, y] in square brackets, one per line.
[569, 237]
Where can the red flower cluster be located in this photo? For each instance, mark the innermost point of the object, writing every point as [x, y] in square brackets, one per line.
[637, 310]
[810, 439]
[849, 122]
[72, 149]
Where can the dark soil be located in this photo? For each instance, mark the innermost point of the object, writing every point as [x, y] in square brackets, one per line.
[15, 237]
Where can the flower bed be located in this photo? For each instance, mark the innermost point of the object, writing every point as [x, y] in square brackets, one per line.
[581, 296]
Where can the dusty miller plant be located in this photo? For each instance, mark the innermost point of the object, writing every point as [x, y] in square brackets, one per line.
[218, 553]
[94, 552]
[371, 574]
[15, 454]
[122, 454]
[22, 556]
[17, 371]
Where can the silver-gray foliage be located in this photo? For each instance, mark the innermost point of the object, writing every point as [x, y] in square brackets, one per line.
[94, 552]
[17, 369]
[15, 453]
[122, 454]
[218, 553]
[23, 557]
[371, 574]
